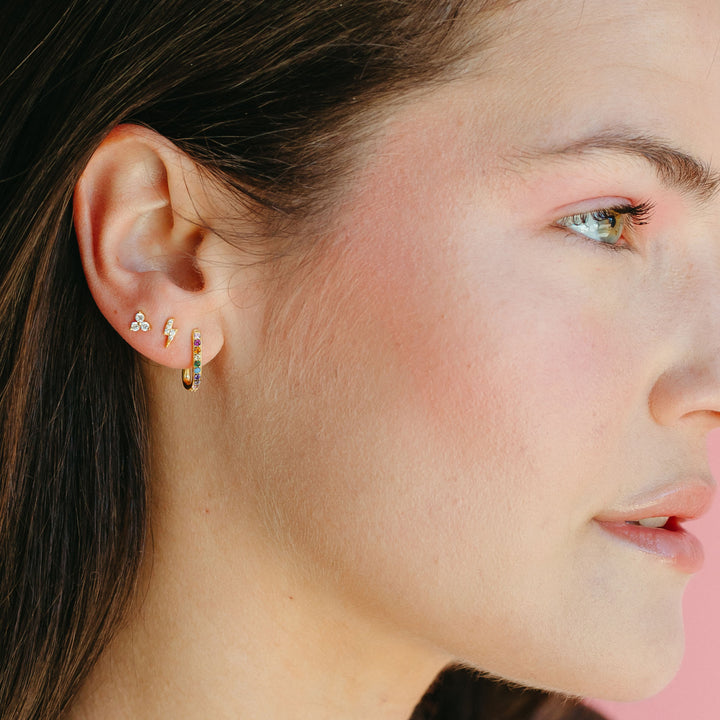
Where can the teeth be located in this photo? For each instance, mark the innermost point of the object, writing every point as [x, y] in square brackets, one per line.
[653, 522]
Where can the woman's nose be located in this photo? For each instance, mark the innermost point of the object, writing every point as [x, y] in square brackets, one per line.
[689, 391]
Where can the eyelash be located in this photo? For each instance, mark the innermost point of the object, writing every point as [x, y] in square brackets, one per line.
[635, 215]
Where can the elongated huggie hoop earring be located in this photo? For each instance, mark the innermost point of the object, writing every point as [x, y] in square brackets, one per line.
[191, 376]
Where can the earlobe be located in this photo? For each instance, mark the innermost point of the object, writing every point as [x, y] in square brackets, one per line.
[137, 218]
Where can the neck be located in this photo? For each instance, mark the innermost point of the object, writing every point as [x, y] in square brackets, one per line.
[221, 630]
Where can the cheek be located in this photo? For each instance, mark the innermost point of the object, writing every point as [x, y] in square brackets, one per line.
[488, 334]
[511, 393]
[493, 355]
[434, 396]
[468, 366]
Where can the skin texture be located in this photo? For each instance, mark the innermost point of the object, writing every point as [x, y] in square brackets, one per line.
[400, 448]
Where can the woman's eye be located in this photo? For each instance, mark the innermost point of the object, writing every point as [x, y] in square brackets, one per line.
[603, 226]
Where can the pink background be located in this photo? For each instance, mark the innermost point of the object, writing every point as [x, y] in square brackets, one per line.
[695, 692]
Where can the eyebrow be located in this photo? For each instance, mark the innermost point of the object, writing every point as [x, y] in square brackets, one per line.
[674, 167]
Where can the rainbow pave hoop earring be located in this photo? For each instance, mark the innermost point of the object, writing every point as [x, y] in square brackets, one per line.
[191, 376]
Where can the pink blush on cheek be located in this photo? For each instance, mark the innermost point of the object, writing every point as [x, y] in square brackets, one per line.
[401, 255]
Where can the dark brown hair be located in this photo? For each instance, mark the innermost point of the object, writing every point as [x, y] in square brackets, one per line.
[460, 693]
[265, 95]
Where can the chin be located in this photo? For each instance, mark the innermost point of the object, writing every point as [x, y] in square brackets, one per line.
[635, 673]
[619, 684]
[650, 660]
[635, 685]
[631, 668]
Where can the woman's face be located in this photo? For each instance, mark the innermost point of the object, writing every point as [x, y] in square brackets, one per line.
[462, 386]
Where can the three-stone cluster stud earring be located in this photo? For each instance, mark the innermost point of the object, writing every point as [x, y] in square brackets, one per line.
[191, 376]
[140, 324]
[169, 332]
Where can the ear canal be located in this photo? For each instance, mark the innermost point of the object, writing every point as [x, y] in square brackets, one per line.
[182, 267]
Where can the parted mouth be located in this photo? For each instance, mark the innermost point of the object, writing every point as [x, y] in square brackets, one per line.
[669, 524]
[653, 522]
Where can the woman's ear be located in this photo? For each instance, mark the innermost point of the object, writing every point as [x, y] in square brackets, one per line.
[145, 248]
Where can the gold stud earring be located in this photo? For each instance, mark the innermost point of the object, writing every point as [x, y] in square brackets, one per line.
[169, 331]
[140, 323]
[191, 376]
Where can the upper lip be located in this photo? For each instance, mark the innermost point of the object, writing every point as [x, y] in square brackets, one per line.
[685, 500]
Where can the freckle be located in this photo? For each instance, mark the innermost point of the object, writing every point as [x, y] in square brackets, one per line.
[290, 597]
[207, 511]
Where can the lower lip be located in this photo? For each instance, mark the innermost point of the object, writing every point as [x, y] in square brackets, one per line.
[676, 546]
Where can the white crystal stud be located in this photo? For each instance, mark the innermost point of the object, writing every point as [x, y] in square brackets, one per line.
[140, 323]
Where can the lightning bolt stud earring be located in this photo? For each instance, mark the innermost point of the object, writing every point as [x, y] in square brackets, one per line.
[169, 331]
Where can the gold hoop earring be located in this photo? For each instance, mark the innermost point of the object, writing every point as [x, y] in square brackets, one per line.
[191, 376]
